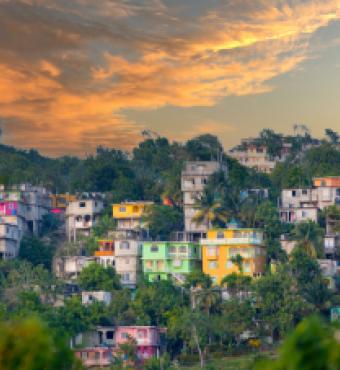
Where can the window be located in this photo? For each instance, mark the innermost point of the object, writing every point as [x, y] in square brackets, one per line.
[304, 214]
[124, 245]
[229, 264]
[82, 204]
[203, 181]
[109, 335]
[213, 264]
[246, 266]
[212, 252]
[135, 209]
[220, 235]
[126, 277]
[182, 249]
[304, 191]
[141, 334]
[124, 335]
[84, 355]
[293, 193]
[127, 261]
[154, 248]
[97, 355]
[122, 209]
[172, 249]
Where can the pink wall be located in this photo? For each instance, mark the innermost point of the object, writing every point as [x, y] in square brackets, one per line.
[8, 208]
[144, 335]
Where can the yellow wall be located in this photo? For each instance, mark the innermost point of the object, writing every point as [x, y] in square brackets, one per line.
[226, 249]
[128, 210]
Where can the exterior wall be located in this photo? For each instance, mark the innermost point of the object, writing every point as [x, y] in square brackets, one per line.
[222, 245]
[194, 178]
[62, 200]
[287, 245]
[9, 241]
[129, 214]
[96, 296]
[82, 216]
[128, 264]
[143, 335]
[163, 259]
[101, 336]
[95, 356]
[71, 266]
[298, 205]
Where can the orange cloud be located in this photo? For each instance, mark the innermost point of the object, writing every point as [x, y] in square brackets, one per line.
[68, 70]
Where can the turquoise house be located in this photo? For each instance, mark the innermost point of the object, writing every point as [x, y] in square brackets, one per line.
[164, 259]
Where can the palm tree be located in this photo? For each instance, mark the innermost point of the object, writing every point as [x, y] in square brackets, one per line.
[308, 236]
[210, 209]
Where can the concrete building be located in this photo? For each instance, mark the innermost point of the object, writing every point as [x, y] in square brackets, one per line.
[129, 215]
[96, 296]
[149, 339]
[128, 263]
[165, 260]
[222, 245]
[95, 357]
[81, 216]
[297, 205]
[69, 267]
[9, 241]
[61, 201]
[195, 176]
[329, 271]
[253, 155]
[101, 336]
[105, 255]
[22, 208]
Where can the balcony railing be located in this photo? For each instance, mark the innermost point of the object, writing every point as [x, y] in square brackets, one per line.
[233, 241]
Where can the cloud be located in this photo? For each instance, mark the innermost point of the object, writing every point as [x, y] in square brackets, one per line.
[68, 70]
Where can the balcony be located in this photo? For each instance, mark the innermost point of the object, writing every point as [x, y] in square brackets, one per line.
[104, 253]
[233, 241]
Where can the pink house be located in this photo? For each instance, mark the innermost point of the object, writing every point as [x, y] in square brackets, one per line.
[95, 356]
[149, 339]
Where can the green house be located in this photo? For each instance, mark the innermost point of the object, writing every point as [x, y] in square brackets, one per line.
[164, 260]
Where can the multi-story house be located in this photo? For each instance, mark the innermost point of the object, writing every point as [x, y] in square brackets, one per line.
[222, 246]
[81, 216]
[61, 201]
[195, 176]
[297, 205]
[129, 215]
[22, 208]
[95, 357]
[69, 267]
[149, 339]
[253, 155]
[127, 255]
[105, 254]
[162, 260]
[9, 241]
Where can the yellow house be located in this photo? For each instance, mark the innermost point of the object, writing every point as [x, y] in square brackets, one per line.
[221, 247]
[129, 215]
[62, 200]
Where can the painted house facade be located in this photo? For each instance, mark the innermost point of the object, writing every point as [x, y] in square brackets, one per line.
[129, 215]
[221, 247]
[105, 254]
[163, 260]
[149, 339]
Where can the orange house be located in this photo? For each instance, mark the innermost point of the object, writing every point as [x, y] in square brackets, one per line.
[329, 181]
[105, 254]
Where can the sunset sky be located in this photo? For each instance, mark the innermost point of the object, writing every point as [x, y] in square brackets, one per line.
[75, 74]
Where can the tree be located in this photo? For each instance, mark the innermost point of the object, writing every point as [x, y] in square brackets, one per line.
[312, 345]
[29, 345]
[163, 220]
[97, 277]
[332, 136]
[236, 284]
[36, 251]
[309, 279]
[309, 237]
[210, 209]
[204, 148]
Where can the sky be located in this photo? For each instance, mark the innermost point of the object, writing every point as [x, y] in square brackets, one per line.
[78, 74]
